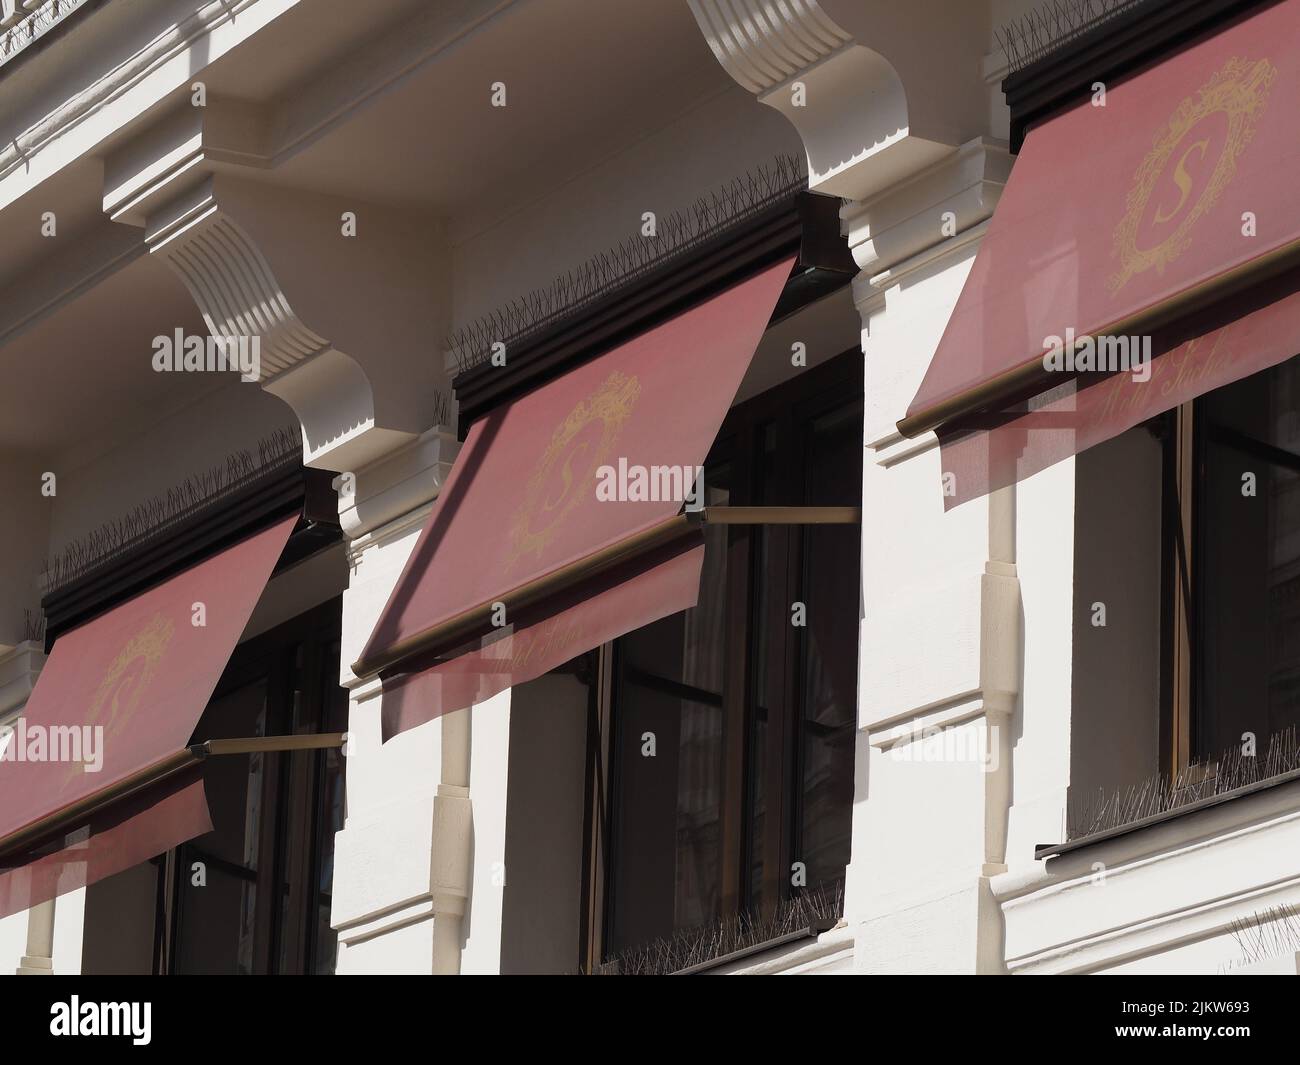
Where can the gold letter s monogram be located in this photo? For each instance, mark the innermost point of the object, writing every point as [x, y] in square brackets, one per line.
[566, 476]
[1183, 180]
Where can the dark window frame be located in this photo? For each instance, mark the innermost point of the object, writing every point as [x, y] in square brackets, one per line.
[795, 404]
[1188, 433]
[297, 658]
[1185, 759]
[1178, 588]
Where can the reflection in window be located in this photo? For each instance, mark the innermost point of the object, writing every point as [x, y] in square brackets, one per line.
[1247, 555]
[751, 719]
[668, 834]
[217, 921]
[262, 901]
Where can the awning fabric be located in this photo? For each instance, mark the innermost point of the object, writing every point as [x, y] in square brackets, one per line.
[1123, 220]
[134, 681]
[519, 522]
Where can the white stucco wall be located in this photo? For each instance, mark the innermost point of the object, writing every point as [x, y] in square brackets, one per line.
[924, 891]
[517, 247]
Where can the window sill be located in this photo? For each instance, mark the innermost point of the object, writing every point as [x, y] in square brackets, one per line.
[1166, 898]
[797, 940]
[1055, 850]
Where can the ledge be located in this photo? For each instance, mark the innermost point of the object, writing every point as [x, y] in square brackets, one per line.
[805, 956]
[1166, 897]
[1053, 850]
[800, 937]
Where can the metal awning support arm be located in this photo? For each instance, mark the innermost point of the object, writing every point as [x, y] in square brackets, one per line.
[259, 744]
[778, 515]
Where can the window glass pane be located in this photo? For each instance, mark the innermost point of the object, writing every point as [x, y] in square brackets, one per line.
[268, 865]
[217, 927]
[1247, 556]
[829, 652]
[329, 817]
[767, 665]
[734, 686]
[666, 863]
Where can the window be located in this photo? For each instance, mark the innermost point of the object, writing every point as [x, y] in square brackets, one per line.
[253, 896]
[1186, 642]
[1233, 458]
[729, 729]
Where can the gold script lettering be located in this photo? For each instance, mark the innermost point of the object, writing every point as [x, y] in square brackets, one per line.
[1183, 180]
[566, 477]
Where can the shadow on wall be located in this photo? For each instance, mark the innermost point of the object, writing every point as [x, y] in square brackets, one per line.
[1115, 715]
[541, 909]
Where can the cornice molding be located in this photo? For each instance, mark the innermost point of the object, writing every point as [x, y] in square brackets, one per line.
[397, 486]
[929, 213]
[328, 96]
[173, 44]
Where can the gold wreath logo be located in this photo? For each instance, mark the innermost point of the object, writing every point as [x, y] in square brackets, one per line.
[131, 672]
[126, 680]
[567, 471]
[1232, 100]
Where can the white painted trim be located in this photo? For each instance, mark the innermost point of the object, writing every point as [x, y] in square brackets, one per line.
[23, 28]
[834, 948]
[959, 710]
[896, 448]
[1181, 882]
[127, 91]
[19, 669]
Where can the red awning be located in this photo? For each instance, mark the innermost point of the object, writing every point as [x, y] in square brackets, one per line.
[123, 693]
[1120, 221]
[519, 521]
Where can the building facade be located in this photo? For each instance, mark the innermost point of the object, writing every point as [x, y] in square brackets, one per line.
[320, 319]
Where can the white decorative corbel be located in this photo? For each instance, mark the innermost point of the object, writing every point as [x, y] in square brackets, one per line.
[873, 100]
[342, 296]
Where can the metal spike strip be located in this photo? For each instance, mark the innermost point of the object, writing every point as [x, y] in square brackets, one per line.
[1053, 25]
[33, 625]
[153, 515]
[700, 945]
[1267, 933]
[676, 234]
[1102, 810]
